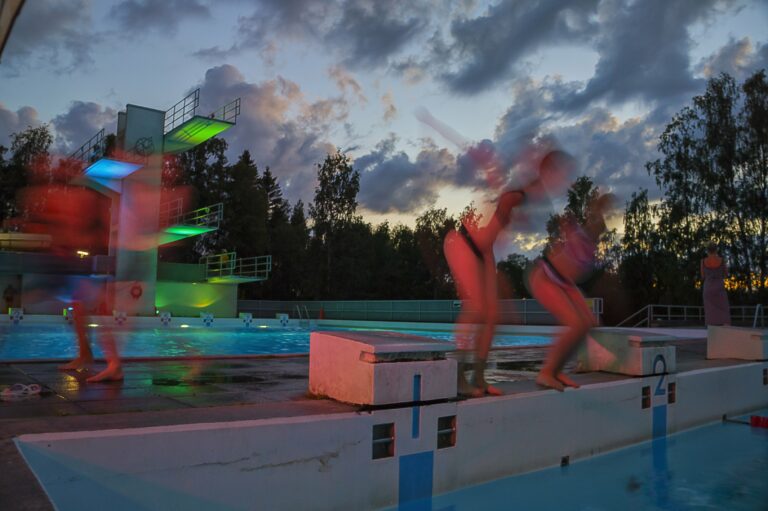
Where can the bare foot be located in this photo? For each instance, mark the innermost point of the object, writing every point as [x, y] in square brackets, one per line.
[77, 364]
[493, 391]
[567, 381]
[547, 380]
[111, 373]
[466, 390]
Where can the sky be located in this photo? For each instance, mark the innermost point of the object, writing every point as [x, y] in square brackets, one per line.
[601, 77]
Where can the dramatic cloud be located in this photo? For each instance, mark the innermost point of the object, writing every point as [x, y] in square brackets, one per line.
[485, 50]
[78, 124]
[738, 58]
[369, 32]
[644, 51]
[390, 182]
[277, 125]
[14, 122]
[364, 33]
[161, 16]
[56, 34]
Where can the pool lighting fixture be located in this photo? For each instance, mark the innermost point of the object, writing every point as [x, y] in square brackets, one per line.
[263, 326]
[93, 325]
[82, 253]
[183, 326]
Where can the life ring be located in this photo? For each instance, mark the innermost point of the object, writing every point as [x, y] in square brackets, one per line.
[136, 291]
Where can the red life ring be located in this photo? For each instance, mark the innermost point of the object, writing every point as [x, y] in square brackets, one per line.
[136, 291]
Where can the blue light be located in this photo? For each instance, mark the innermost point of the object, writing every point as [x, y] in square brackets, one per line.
[111, 169]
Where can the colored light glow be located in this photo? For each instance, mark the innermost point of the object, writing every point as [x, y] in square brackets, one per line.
[93, 325]
[179, 232]
[82, 253]
[193, 132]
[183, 326]
[111, 169]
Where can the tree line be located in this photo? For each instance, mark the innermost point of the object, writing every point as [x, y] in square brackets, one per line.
[712, 174]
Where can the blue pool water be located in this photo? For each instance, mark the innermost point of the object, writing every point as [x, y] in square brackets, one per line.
[718, 467]
[18, 342]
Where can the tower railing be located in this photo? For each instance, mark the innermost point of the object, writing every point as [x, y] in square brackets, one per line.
[227, 265]
[172, 213]
[92, 150]
[182, 111]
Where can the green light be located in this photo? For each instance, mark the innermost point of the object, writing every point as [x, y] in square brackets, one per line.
[179, 232]
[193, 132]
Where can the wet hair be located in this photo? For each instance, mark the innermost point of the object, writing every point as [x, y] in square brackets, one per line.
[711, 248]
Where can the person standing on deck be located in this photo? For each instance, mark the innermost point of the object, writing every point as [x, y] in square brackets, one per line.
[713, 273]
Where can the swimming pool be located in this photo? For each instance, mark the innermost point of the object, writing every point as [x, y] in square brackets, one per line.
[720, 466]
[50, 341]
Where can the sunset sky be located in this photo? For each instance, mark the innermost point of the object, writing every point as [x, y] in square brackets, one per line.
[601, 76]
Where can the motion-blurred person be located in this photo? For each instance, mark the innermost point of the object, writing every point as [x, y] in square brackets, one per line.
[552, 281]
[75, 220]
[717, 310]
[470, 257]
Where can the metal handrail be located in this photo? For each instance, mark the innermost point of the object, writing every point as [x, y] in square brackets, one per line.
[758, 311]
[172, 213]
[228, 265]
[93, 150]
[228, 112]
[181, 111]
[685, 313]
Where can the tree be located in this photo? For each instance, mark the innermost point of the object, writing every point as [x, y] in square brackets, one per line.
[714, 176]
[431, 228]
[29, 153]
[514, 267]
[334, 206]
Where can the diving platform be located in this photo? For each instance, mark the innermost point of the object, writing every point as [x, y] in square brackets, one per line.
[101, 171]
[175, 224]
[226, 268]
[185, 129]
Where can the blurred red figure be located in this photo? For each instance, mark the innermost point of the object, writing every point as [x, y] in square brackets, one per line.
[469, 253]
[552, 282]
[76, 219]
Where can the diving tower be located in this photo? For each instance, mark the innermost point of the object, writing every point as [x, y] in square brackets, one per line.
[130, 171]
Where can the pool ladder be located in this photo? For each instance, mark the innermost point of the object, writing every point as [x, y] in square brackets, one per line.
[303, 323]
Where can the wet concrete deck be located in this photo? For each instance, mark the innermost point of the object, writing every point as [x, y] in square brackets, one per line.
[179, 391]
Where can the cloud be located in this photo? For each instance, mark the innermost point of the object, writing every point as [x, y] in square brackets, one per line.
[644, 52]
[55, 33]
[739, 58]
[486, 50]
[363, 33]
[347, 83]
[390, 110]
[14, 122]
[79, 123]
[391, 183]
[369, 32]
[277, 125]
[161, 16]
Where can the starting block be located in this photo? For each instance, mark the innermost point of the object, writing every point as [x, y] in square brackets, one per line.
[736, 342]
[380, 368]
[627, 352]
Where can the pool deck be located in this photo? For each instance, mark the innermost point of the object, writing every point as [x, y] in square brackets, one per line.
[181, 391]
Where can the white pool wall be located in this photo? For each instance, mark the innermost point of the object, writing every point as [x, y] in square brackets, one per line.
[324, 462]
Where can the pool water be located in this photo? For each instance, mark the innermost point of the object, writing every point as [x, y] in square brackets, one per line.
[21, 342]
[722, 466]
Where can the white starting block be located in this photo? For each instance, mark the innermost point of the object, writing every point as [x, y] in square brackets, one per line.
[630, 353]
[380, 368]
[738, 343]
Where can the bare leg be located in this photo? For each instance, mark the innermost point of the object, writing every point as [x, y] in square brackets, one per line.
[114, 370]
[84, 354]
[568, 308]
[490, 313]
